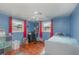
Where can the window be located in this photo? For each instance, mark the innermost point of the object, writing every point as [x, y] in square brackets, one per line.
[17, 25]
[46, 26]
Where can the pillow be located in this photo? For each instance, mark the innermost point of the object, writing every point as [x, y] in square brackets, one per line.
[60, 34]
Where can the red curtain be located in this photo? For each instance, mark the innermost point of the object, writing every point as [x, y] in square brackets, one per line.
[40, 29]
[25, 29]
[10, 24]
[51, 30]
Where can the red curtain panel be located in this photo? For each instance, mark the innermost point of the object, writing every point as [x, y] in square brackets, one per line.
[40, 30]
[25, 29]
[10, 24]
[51, 30]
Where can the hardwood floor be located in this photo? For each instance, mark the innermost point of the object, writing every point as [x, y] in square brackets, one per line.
[34, 48]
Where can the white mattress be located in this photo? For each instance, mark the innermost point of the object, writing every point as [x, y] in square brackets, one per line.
[63, 39]
[60, 45]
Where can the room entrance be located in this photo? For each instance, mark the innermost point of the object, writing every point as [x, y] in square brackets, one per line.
[33, 31]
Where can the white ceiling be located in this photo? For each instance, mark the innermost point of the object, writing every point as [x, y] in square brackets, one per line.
[47, 10]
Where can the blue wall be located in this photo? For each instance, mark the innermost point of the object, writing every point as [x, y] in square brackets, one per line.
[17, 36]
[30, 26]
[75, 23]
[61, 25]
[4, 21]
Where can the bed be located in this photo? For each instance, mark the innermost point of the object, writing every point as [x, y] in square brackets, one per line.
[61, 45]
